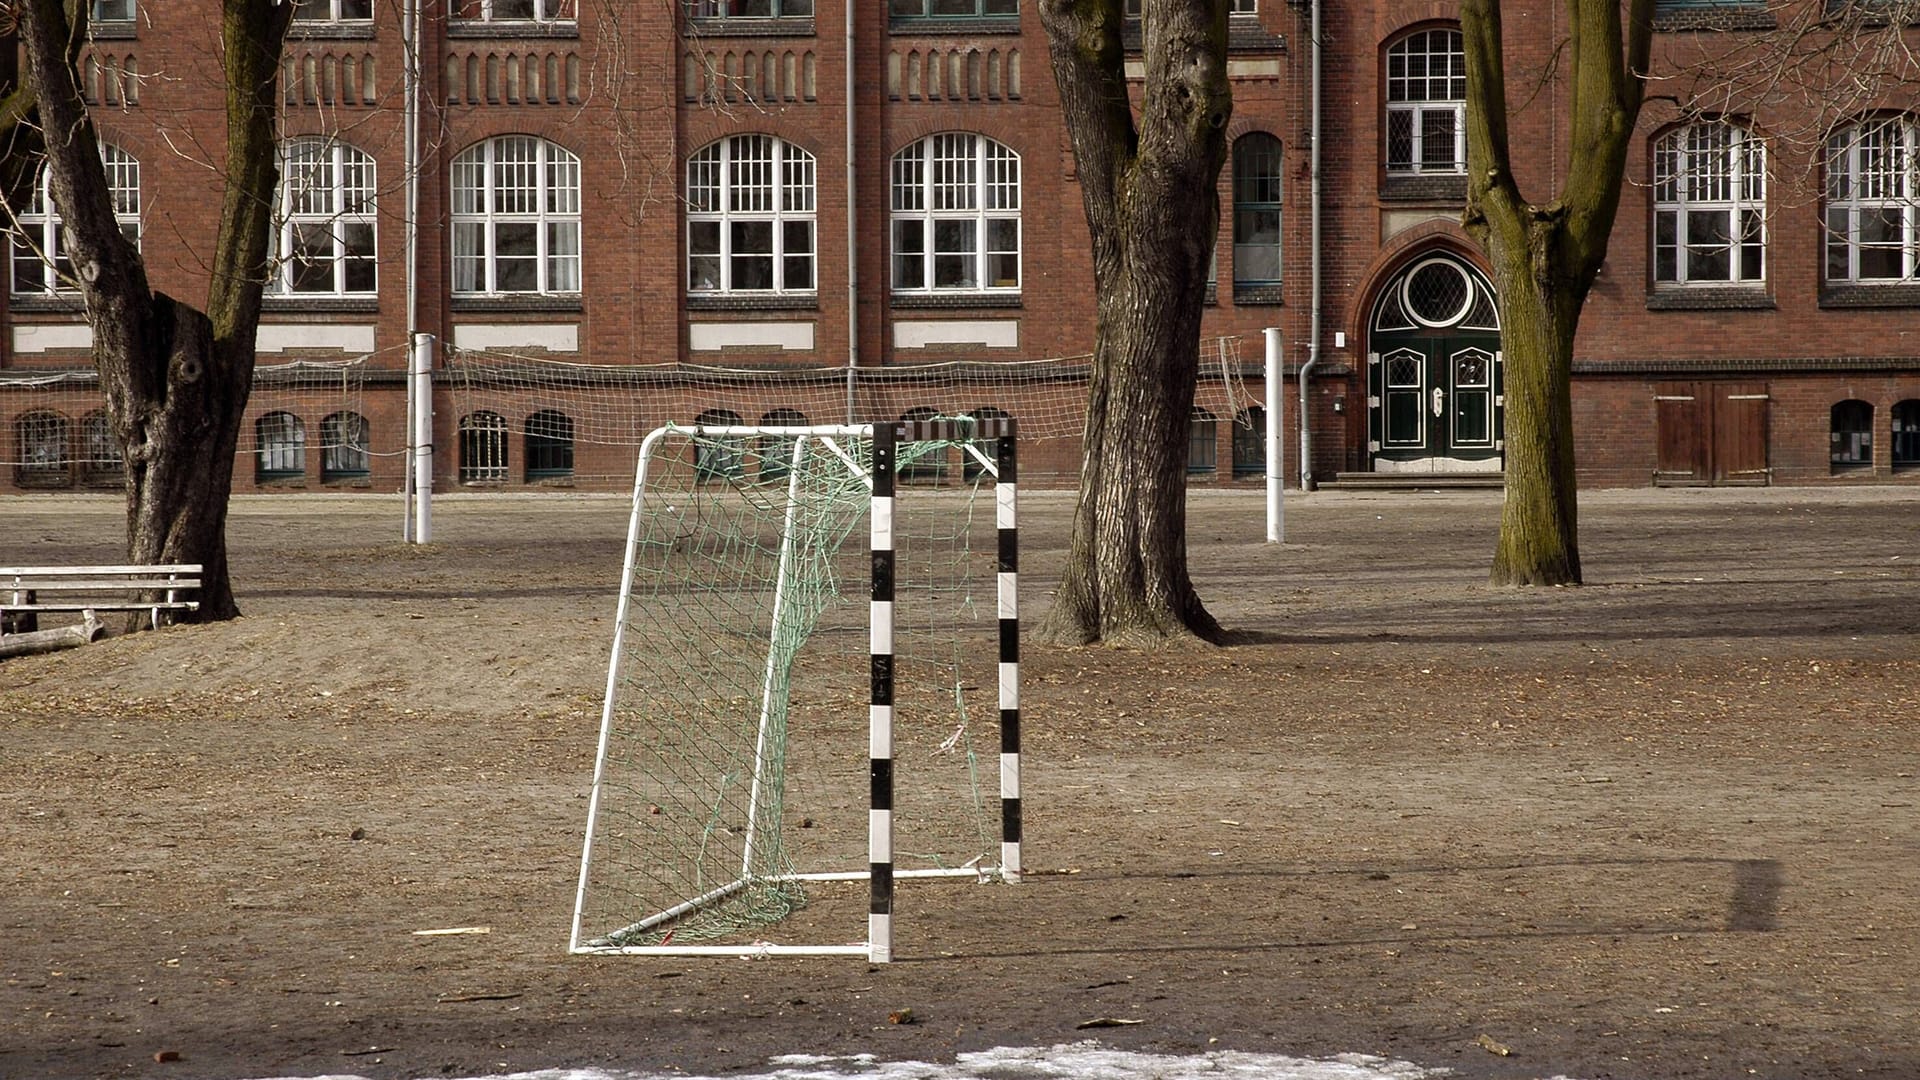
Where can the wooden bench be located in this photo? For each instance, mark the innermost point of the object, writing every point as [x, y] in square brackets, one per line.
[26, 591]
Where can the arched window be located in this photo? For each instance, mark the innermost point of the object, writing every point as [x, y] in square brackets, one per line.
[41, 440]
[516, 218]
[750, 217]
[1256, 211]
[922, 460]
[483, 448]
[956, 216]
[40, 262]
[1851, 435]
[717, 457]
[1203, 443]
[971, 466]
[100, 458]
[325, 219]
[1906, 434]
[281, 442]
[1427, 103]
[1873, 202]
[1250, 442]
[343, 446]
[549, 445]
[776, 451]
[1709, 206]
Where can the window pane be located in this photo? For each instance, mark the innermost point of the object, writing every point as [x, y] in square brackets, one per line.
[357, 242]
[1837, 248]
[310, 262]
[1709, 254]
[516, 257]
[1399, 139]
[1437, 139]
[469, 256]
[513, 9]
[907, 8]
[909, 249]
[1001, 7]
[796, 240]
[953, 7]
[563, 256]
[752, 264]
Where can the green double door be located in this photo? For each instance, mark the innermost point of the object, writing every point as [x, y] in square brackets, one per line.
[1435, 402]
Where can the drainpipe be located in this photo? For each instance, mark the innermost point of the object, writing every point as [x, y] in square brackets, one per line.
[1313, 255]
[853, 261]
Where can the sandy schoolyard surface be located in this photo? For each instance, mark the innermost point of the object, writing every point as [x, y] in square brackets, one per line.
[1660, 826]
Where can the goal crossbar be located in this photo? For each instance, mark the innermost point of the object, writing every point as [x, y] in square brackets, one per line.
[878, 476]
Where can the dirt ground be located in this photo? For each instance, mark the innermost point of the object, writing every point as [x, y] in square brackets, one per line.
[1660, 826]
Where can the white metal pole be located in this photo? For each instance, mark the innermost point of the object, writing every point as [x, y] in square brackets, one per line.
[422, 382]
[1276, 469]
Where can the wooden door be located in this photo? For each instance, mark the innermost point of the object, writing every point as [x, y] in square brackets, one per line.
[1683, 422]
[1740, 433]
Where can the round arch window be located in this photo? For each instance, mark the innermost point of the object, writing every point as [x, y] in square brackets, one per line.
[1437, 292]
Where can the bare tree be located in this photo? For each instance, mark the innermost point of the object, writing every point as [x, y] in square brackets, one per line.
[1545, 256]
[1148, 187]
[176, 377]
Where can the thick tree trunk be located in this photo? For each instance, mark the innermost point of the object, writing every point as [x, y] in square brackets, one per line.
[176, 379]
[1539, 528]
[1545, 257]
[1152, 210]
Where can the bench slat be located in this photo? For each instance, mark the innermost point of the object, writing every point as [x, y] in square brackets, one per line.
[101, 585]
[168, 605]
[95, 571]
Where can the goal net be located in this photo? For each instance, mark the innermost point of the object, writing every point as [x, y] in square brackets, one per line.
[792, 595]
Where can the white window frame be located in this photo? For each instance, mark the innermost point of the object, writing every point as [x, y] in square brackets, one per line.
[516, 181]
[1873, 168]
[544, 11]
[1424, 97]
[1705, 171]
[326, 186]
[328, 11]
[954, 179]
[36, 241]
[736, 184]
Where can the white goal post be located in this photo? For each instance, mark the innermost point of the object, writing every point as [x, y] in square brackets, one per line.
[726, 784]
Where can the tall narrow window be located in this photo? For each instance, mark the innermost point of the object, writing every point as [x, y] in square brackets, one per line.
[1203, 443]
[1250, 442]
[100, 459]
[281, 445]
[41, 441]
[922, 460]
[1851, 435]
[549, 445]
[343, 446]
[1427, 103]
[325, 233]
[1906, 434]
[956, 216]
[39, 256]
[718, 456]
[516, 218]
[1709, 206]
[483, 448]
[1873, 203]
[750, 217]
[776, 451]
[1256, 211]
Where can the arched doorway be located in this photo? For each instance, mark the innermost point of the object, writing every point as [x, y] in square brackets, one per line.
[1434, 396]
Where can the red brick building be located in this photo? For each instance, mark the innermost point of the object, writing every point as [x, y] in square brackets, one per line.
[613, 184]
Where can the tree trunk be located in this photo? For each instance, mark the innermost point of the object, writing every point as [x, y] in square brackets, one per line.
[1153, 211]
[1539, 540]
[176, 380]
[1545, 257]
